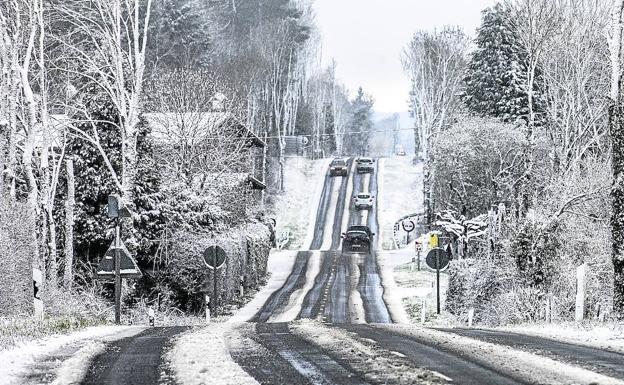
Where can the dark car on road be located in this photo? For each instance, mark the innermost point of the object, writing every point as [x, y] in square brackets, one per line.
[338, 167]
[364, 165]
[357, 239]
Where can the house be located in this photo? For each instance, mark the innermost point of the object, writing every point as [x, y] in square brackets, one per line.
[214, 139]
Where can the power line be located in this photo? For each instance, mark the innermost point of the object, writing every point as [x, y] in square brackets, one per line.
[312, 135]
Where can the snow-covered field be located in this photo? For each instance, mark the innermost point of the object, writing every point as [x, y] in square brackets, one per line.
[400, 193]
[295, 209]
[81, 346]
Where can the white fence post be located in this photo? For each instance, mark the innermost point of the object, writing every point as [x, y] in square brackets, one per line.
[580, 292]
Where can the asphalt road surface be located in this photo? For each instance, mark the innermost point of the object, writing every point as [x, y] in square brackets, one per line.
[134, 361]
[328, 299]
[461, 369]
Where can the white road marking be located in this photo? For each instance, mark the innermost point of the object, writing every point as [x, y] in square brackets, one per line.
[398, 354]
[442, 376]
[369, 341]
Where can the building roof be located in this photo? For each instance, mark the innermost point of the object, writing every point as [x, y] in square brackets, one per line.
[199, 125]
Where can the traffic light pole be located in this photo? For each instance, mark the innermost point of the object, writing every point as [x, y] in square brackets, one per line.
[117, 272]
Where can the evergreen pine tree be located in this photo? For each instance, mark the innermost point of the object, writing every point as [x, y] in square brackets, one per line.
[94, 183]
[360, 124]
[497, 72]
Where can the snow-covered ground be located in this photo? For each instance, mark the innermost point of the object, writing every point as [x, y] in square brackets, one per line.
[604, 335]
[81, 346]
[201, 357]
[534, 368]
[405, 288]
[295, 209]
[400, 194]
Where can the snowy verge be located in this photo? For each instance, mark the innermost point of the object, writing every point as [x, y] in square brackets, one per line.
[533, 368]
[602, 335]
[369, 360]
[73, 370]
[380, 203]
[400, 193]
[296, 209]
[16, 361]
[280, 266]
[391, 294]
[201, 357]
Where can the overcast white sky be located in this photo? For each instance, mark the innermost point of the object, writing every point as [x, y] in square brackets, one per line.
[366, 38]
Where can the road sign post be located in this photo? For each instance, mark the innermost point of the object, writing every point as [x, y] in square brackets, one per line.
[214, 258]
[437, 280]
[117, 273]
[214, 276]
[437, 259]
[408, 227]
[117, 210]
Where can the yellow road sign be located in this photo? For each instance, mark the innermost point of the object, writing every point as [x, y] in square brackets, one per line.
[433, 240]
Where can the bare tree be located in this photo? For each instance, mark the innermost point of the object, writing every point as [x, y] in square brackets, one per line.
[616, 131]
[106, 45]
[575, 76]
[435, 63]
[535, 23]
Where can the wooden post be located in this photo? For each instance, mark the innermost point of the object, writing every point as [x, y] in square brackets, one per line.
[470, 316]
[70, 204]
[117, 273]
[580, 292]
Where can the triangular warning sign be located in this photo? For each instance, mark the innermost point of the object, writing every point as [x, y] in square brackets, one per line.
[128, 267]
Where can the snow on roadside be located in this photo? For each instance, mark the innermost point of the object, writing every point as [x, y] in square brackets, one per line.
[73, 370]
[280, 266]
[398, 183]
[391, 294]
[295, 209]
[16, 361]
[370, 360]
[603, 335]
[533, 368]
[201, 357]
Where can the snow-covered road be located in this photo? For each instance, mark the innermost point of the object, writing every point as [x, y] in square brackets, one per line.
[324, 317]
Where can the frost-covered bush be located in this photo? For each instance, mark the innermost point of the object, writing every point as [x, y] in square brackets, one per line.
[16, 251]
[476, 162]
[184, 279]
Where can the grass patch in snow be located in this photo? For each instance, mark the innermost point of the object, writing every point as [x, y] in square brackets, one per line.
[15, 331]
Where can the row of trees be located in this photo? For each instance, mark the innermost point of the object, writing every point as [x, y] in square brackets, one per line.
[528, 119]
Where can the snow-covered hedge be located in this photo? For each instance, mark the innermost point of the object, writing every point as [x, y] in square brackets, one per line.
[185, 279]
[16, 253]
